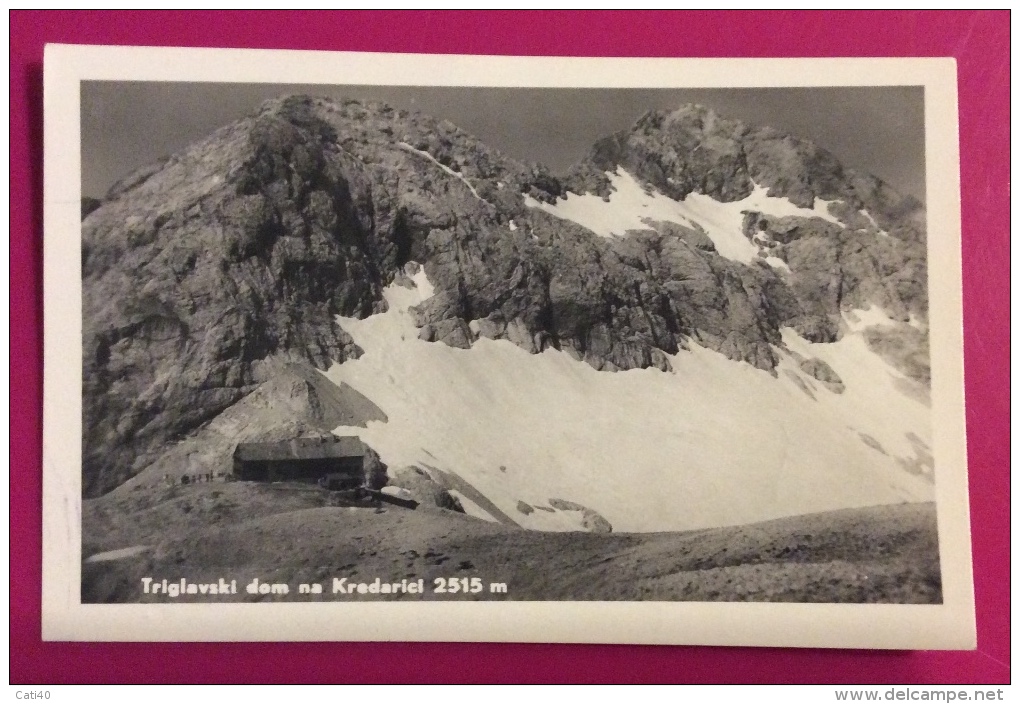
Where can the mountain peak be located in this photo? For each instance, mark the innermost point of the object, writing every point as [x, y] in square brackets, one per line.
[693, 149]
[688, 111]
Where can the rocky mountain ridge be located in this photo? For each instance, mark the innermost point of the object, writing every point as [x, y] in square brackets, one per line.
[694, 150]
[246, 246]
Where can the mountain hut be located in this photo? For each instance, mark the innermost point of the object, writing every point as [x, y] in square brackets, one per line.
[302, 459]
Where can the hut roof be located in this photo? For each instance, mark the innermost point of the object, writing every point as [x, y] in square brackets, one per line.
[300, 449]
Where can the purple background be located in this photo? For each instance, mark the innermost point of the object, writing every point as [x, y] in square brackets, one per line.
[979, 40]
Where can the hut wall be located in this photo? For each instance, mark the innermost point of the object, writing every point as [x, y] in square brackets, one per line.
[297, 469]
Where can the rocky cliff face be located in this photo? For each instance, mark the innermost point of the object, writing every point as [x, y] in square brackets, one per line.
[246, 246]
[198, 269]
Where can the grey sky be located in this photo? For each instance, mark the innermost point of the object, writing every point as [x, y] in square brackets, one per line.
[879, 130]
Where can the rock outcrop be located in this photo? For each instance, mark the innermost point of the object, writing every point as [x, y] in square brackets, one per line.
[823, 373]
[591, 520]
[694, 150]
[426, 490]
[374, 470]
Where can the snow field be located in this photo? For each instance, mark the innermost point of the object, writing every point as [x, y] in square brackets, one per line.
[713, 443]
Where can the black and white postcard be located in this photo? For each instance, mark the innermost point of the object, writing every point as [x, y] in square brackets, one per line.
[393, 347]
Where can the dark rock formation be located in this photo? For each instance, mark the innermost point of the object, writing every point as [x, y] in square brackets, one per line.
[564, 505]
[593, 522]
[88, 205]
[823, 373]
[904, 347]
[525, 508]
[374, 470]
[872, 443]
[425, 490]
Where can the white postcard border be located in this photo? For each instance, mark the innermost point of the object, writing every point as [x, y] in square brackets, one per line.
[947, 626]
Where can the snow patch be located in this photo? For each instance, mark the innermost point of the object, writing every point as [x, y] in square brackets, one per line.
[121, 554]
[559, 521]
[866, 214]
[632, 207]
[513, 226]
[398, 492]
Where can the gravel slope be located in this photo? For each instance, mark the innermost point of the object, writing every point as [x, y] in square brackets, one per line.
[292, 535]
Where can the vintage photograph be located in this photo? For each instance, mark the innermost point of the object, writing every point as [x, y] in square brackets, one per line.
[423, 343]
[341, 335]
